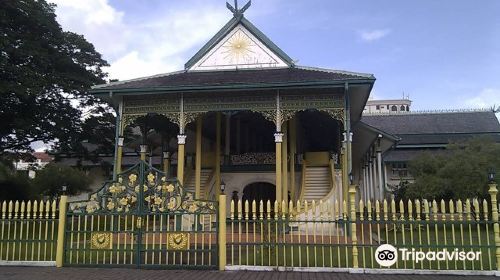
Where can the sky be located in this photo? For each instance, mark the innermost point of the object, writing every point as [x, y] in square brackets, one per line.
[442, 54]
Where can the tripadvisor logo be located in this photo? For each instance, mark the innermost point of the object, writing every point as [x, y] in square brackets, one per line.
[387, 255]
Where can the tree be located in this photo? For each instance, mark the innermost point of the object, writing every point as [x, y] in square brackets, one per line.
[14, 185]
[97, 137]
[49, 180]
[45, 74]
[459, 172]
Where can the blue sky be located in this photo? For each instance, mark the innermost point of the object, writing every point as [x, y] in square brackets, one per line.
[443, 54]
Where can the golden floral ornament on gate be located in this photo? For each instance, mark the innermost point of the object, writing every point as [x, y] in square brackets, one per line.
[92, 207]
[113, 189]
[170, 188]
[151, 178]
[172, 203]
[192, 208]
[124, 201]
[158, 200]
[111, 205]
[132, 178]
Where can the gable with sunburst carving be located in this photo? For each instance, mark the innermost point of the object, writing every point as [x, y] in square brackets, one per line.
[240, 49]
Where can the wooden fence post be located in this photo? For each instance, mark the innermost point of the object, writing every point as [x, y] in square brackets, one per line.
[494, 215]
[222, 232]
[61, 230]
[354, 238]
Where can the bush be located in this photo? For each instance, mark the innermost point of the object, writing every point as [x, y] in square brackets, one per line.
[460, 172]
[14, 186]
[49, 180]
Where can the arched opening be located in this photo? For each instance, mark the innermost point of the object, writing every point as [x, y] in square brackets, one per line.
[259, 191]
[394, 108]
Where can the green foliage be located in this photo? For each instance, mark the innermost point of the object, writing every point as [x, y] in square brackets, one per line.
[14, 185]
[44, 72]
[53, 176]
[458, 172]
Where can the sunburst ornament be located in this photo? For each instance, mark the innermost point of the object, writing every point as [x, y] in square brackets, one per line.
[238, 49]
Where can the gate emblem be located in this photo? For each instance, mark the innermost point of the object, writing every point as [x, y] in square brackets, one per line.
[101, 240]
[178, 241]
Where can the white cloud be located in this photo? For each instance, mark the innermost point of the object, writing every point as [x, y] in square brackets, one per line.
[155, 45]
[372, 35]
[487, 98]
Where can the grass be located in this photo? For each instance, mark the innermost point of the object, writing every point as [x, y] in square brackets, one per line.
[283, 249]
[288, 252]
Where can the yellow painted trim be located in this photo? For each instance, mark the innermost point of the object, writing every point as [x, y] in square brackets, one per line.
[303, 177]
[119, 160]
[60, 230]
[354, 237]
[166, 166]
[278, 172]
[222, 232]
[180, 163]
[197, 184]
[293, 150]
[217, 151]
[284, 164]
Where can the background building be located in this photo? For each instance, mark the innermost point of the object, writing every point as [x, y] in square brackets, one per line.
[387, 106]
[429, 131]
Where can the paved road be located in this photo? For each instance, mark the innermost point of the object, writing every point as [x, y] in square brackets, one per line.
[51, 273]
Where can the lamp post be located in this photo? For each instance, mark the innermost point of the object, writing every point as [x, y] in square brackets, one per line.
[491, 175]
[222, 187]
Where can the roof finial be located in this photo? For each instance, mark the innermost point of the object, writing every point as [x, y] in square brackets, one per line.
[238, 12]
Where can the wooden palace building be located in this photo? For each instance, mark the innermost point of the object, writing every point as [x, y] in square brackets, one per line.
[246, 116]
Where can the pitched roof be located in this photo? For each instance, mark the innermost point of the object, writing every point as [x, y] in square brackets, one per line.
[404, 155]
[432, 123]
[227, 29]
[226, 78]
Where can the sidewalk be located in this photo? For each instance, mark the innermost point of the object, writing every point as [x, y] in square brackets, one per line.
[71, 273]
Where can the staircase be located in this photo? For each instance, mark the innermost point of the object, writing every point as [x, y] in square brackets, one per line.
[189, 185]
[317, 182]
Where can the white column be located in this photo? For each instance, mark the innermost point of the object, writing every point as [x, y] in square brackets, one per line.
[374, 176]
[370, 178]
[368, 197]
[365, 188]
[379, 169]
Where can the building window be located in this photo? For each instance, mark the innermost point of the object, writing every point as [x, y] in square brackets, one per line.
[403, 108]
[407, 108]
[378, 107]
[400, 170]
[387, 107]
[394, 108]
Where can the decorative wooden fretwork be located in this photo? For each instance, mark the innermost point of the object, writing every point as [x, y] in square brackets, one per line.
[183, 109]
